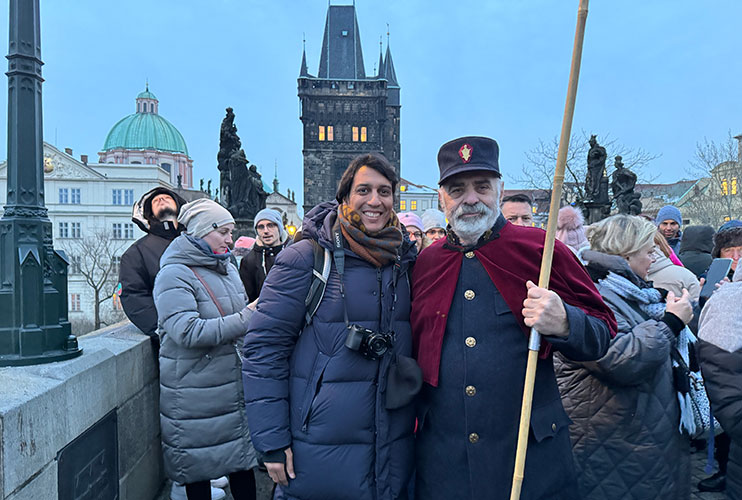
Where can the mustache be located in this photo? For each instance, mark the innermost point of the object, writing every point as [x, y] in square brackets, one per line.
[478, 208]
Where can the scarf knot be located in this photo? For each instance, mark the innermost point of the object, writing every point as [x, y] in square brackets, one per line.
[379, 248]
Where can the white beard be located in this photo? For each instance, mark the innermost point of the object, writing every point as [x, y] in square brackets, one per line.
[471, 229]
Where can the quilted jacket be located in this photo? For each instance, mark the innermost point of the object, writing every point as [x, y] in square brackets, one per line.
[307, 390]
[202, 407]
[625, 413]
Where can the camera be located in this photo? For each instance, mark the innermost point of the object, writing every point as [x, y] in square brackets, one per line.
[371, 344]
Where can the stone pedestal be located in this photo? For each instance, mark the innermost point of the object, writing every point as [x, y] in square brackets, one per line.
[243, 227]
[596, 211]
[44, 408]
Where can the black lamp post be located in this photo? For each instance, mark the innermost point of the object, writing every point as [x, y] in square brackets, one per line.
[33, 276]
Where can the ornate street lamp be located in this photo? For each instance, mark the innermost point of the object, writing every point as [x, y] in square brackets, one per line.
[33, 276]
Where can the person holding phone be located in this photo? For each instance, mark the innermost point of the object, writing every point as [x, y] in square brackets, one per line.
[624, 406]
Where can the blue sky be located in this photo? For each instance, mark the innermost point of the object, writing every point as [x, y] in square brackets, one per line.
[658, 75]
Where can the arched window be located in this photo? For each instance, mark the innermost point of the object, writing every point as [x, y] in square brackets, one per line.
[151, 107]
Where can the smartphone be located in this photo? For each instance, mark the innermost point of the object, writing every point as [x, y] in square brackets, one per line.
[717, 271]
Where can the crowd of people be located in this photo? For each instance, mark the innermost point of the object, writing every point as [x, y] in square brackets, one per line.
[382, 356]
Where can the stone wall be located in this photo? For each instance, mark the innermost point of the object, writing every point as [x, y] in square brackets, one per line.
[44, 408]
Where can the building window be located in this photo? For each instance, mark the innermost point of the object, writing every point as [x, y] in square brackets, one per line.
[403, 205]
[115, 264]
[64, 230]
[129, 231]
[355, 134]
[117, 230]
[74, 266]
[151, 107]
[321, 132]
[128, 196]
[724, 187]
[363, 134]
[330, 133]
[734, 185]
[75, 196]
[75, 229]
[117, 197]
[75, 302]
[413, 204]
[64, 195]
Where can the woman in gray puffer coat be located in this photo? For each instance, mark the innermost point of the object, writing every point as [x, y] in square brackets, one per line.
[626, 435]
[202, 315]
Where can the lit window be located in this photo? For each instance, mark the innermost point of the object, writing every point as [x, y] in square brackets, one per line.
[727, 218]
[413, 204]
[321, 132]
[355, 134]
[403, 188]
[75, 302]
[363, 134]
[403, 205]
[330, 133]
[734, 185]
[724, 187]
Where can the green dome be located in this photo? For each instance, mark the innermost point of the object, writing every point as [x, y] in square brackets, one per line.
[146, 95]
[145, 131]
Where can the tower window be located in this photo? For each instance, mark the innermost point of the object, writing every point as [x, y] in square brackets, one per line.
[734, 185]
[724, 187]
[330, 133]
[355, 134]
[321, 132]
[363, 134]
[151, 107]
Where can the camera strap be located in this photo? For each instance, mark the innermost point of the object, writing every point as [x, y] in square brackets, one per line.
[338, 254]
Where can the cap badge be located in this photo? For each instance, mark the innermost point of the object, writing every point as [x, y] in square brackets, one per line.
[465, 153]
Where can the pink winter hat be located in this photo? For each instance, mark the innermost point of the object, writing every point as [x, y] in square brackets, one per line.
[570, 228]
[410, 219]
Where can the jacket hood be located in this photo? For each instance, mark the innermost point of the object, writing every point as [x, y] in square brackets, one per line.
[697, 239]
[600, 264]
[184, 251]
[661, 262]
[141, 213]
[319, 221]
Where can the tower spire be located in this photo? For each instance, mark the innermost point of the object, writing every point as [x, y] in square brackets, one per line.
[275, 177]
[380, 72]
[304, 71]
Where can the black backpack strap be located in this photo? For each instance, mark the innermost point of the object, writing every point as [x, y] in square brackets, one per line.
[320, 274]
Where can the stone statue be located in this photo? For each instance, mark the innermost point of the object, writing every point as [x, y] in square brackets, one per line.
[260, 195]
[595, 170]
[208, 188]
[229, 142]
[622, 185]
[201, 185]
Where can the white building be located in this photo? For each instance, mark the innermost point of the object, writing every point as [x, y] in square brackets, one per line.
[416, 198]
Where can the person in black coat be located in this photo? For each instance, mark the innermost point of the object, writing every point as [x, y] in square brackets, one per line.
[156, 214]
[271, 239]
[695, 249]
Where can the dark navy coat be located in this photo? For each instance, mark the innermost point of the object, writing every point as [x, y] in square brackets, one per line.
[468, 425]
[306, 390]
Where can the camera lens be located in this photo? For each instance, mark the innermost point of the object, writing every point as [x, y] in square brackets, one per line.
[378, 345]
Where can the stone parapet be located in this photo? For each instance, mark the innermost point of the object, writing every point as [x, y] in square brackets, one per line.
[44, 408]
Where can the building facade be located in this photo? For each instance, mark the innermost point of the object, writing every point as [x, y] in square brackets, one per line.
[416, 198]
[345, 113]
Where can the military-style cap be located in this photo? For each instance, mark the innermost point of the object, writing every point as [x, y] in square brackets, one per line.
[466, 154]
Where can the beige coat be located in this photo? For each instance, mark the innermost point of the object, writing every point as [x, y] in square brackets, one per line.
[664, 274]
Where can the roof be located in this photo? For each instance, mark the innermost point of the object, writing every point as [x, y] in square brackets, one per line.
[412, 188]
[389, 73]
[146, 95]
[342, 57]
[145, 131]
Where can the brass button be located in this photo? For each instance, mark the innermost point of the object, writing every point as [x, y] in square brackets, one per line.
[469, 295]
[471, 390]
[473, 437]
[469, 255]
[471, 341]
[553, 427]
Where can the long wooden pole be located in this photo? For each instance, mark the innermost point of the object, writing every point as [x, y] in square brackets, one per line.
[534, 341]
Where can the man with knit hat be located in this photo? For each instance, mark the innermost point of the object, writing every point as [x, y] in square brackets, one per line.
[414, 226]
[728, 243]
[474, 302]
[156, 214]
[434, 224]
[668, 221]
[271, 239]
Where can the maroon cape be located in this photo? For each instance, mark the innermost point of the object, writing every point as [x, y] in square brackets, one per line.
[510, 259]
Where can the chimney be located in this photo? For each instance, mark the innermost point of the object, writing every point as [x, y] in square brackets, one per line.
[84, 159]
[68, 151]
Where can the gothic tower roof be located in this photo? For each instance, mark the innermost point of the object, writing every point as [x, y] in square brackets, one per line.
[341, 57]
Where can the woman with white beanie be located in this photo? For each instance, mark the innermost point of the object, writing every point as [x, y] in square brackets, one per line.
[434, 226]
[203, 316]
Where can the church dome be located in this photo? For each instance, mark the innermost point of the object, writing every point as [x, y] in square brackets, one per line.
[145, 130]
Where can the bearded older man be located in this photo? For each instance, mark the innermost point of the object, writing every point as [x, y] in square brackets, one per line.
[474, 302]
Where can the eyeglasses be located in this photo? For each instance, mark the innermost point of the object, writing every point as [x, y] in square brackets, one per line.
[415, 234]
[267, 225]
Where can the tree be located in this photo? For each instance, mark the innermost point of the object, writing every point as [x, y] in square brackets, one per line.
[717, 196]
[96, 257]
[538, 173]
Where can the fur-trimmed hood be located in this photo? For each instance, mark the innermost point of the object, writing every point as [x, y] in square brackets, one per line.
[141, 213]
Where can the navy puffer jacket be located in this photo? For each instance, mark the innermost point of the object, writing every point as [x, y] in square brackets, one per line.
[306, 390]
